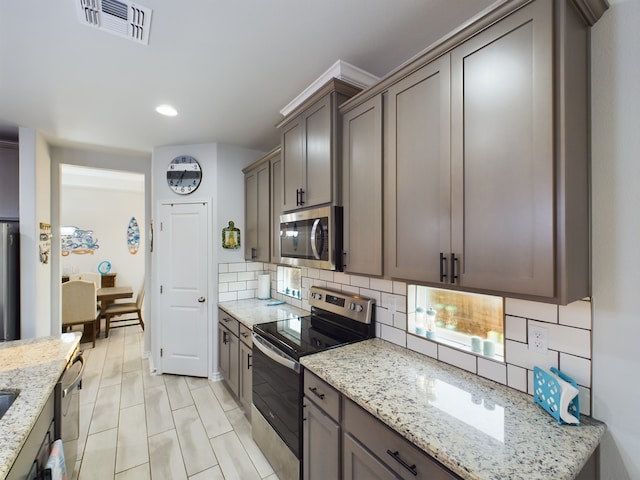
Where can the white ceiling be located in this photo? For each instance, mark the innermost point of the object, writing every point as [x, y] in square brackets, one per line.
[227, 66]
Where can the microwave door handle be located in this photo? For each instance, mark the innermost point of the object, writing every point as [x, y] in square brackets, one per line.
[317, 252]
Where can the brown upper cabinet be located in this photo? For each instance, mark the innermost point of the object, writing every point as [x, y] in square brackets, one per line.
[310, 142]
[257, 192]
[486, 156]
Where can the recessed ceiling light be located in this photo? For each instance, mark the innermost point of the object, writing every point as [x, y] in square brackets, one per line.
[167, 110]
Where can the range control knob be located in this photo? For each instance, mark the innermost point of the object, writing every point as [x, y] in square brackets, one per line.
[317, 296]
[355, 307]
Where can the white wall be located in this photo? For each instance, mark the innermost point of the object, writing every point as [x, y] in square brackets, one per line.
[107, 212]
[616, 234]
[35, 277]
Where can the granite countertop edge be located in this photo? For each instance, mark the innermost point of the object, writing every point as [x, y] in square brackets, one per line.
[253, 311]
[521, 458]
[33, 367]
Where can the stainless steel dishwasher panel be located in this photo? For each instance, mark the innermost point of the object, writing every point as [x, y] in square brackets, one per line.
[67, 419]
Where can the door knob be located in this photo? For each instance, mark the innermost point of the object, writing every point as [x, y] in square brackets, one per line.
[201, 300]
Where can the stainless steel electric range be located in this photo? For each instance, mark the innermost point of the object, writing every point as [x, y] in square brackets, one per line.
[336, 319]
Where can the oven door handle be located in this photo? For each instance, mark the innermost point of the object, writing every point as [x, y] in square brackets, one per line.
[275, 354]
[66, 391]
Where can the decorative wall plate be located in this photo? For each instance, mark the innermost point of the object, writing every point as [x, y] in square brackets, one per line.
[104, 267]
[133, 236]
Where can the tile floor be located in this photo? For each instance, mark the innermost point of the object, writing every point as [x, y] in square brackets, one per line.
[134, 425]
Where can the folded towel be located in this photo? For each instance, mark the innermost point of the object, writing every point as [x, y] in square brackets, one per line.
[55, 463]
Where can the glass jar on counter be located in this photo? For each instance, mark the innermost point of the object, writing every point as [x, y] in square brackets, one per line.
[421, 321]
[431, 323]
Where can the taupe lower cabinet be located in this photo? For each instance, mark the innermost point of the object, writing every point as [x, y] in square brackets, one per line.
[342, 441]
[257, 205]
[245, 372]
[310, 142]
[487, 160]
[362, 188]
[229, 350]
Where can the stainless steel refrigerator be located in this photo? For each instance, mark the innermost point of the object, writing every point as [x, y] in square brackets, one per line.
[9, 281]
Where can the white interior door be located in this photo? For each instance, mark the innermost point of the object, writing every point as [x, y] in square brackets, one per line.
[183, 272]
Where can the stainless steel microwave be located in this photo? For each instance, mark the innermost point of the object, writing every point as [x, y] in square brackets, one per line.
[312, 238]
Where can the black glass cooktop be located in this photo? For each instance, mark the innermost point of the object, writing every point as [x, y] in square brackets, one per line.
[300, 336]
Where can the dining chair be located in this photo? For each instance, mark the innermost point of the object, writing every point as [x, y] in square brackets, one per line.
[79, 307]
[87, 277]
[124, 308]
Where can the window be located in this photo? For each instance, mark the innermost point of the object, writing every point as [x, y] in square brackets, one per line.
[466, 321]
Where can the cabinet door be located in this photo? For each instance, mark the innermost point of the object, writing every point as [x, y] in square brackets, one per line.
[359, 464]
[223, 351]
[234, 364]
[502, 155]
[292, 161]
[250, 215]
[245, 377]
[276, 206]
[264, 214]
[318, 154]
[362, 188]
[321, 444]
[418, 172]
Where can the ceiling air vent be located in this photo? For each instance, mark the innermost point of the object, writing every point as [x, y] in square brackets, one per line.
[126, 19]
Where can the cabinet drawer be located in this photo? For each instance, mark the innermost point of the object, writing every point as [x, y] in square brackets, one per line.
[323, 395]
[400, 455]
[228, 321]
[245, 335]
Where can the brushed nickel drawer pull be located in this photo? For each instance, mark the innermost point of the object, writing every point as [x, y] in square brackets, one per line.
[314, 390]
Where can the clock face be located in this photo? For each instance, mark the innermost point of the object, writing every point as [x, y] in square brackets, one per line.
[184, 174]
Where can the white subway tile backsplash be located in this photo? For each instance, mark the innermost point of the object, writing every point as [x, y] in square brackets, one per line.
[517, 377]
[515, 328]
[576, 314]
[227, 277]
[393, 335]
[238, 267]
[518, 354]
[358, 281]
[245, 276]
[568, 327]
[326, 275]
[381, 285]
[400, 288]
[422, 345]
[384, 316]
[457, 358]
[495, 371]
[341, 277]
[575, 341]
[577, 368]
[544, 312]
[400, 320]
[228, 297]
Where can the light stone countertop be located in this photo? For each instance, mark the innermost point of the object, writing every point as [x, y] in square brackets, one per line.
[252, 311]
[33, 367]
[477, 428]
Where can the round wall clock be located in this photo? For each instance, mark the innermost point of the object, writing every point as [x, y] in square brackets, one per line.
[184, 174]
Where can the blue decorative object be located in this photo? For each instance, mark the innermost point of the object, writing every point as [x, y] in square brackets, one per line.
[547, 393]
[104, 267]
[133, 236]
[75, 240]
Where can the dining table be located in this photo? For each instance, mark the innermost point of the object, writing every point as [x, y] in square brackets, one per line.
[107, 295]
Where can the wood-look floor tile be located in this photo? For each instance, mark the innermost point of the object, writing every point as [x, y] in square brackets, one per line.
[106, 409]
[137, 473]
[165, 457]
[149, 379]
[159, 417]
[213, 418]
[242, 427]
[90, 386]
[132, 389]
[86, 412]
[272, 477]
[197, 382]
[233, 459]
[212, 474]
[112, 373]
[132, 438]
[99, 459]
[224, 397]
[178, 391]
[194, 442]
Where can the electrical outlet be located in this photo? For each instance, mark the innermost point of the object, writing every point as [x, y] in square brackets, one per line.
[538, 340]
